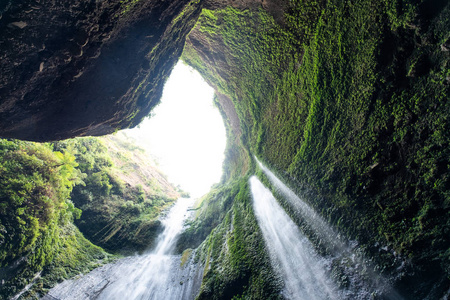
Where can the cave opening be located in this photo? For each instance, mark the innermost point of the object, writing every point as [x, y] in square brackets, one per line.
[185, 132]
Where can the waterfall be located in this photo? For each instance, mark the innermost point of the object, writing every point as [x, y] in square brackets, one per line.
[321, 228]
[304, 272]
[155, 275]
[361, 279]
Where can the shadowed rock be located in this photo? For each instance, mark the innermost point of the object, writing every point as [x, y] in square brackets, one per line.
[74, 68]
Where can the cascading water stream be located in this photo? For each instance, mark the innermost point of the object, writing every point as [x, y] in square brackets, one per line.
[362, 281]
[156, 275]
[302, 270]
[320, 226]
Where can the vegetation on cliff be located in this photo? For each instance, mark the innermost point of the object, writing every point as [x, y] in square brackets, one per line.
[346, 100]
[236, 264]
[36, 214]
[107, 187]
[351, 106]
[122, 195]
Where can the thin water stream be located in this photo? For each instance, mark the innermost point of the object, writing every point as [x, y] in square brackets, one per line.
[299, 264]
[321, 228]
[155, 275]
[292, 255]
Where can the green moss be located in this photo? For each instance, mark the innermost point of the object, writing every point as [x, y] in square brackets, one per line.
[349, 106]
[185, 256]
[233, 255]
[75, 255]
[127, 5]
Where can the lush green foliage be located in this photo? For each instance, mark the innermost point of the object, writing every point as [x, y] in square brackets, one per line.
[122, 194]
[36, 214]
[34, 192]
[74, 255]
[350, 105]
[211, 210]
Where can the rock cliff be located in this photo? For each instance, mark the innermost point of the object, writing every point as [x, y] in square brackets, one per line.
[74, 68]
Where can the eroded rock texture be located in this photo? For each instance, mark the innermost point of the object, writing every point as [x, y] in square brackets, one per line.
[89, 67]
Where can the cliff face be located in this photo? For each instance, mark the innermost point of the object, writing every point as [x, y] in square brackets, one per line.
[59, 199]
[351, 110]
[73, 68]
[122, 195]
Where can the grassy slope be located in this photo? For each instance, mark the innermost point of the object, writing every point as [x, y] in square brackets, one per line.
[348, 104]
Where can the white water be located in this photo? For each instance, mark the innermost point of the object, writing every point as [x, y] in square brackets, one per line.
[156, 275]
[363, 281]
[320, 226]
[303, 271]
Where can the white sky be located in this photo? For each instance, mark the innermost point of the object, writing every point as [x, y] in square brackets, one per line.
[186, 133]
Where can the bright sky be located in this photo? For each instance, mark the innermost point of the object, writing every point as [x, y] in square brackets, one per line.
[186, 132]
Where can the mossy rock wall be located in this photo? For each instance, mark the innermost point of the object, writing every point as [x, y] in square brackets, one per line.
[352, 108]
[233, 255]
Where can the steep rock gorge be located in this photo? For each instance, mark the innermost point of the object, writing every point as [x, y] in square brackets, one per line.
[351, 109]
[346, 101]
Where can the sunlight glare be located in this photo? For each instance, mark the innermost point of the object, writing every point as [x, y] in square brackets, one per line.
[185, 132]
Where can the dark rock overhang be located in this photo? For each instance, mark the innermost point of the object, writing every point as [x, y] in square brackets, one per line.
[74, 68]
